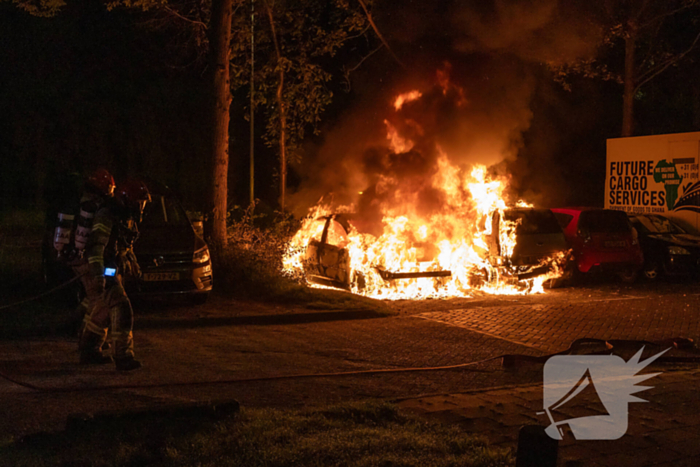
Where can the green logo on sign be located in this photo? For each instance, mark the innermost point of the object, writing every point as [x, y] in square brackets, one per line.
[666, 173]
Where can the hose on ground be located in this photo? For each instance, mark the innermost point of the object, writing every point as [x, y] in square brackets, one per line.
[44, 294]
[508, 360]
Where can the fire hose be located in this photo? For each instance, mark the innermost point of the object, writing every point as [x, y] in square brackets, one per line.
[44, 294]
[508, 361]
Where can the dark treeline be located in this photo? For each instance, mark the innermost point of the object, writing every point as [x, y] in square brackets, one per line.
[90, 88]
[80, 91]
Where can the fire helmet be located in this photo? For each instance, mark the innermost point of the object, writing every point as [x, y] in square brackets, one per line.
[134, 195]
[102, 181]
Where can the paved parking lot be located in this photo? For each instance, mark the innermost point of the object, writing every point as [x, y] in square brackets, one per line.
[552, 327]
[199, 356]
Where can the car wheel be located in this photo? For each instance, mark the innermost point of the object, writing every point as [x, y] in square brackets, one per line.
[652, 271]
[628, 275]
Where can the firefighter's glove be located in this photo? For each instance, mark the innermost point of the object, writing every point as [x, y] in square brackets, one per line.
[134, 264]
[128, 263]
[130, 234]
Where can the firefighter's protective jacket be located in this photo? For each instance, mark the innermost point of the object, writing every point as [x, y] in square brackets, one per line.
[111, 241]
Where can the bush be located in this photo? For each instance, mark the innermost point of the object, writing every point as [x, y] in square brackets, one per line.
[252, 262]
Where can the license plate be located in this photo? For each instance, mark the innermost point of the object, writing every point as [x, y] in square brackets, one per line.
[161, 276]
[615, 244]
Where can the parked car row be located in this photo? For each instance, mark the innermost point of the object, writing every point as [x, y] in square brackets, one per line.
[650, 244]
[598, 240]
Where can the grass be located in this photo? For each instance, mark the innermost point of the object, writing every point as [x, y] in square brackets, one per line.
[353, 434]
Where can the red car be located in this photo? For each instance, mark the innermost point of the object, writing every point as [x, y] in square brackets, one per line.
[602, 239]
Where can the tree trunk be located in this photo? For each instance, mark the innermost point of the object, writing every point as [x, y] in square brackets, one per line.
[283, 118]
[629, 82]
[219, 44]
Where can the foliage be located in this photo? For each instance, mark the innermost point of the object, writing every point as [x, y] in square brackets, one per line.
[352, 434]
[310, 33]
[254, 253]
[43, 8]
[661, 41]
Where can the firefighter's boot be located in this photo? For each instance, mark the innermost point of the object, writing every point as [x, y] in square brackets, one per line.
[90, 353]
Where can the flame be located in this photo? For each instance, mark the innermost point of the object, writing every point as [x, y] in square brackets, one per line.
[406, 97]
[458, 237]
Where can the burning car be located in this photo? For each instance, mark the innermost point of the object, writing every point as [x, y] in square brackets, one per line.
[538, 239]
[521, 248]
[434, 216]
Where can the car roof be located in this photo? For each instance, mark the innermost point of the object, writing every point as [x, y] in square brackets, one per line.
[156, 187]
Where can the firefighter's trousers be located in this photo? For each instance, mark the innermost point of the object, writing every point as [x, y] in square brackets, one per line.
[92, 294]
[113, 308]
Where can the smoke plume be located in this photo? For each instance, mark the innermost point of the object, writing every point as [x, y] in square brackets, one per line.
[475, 69]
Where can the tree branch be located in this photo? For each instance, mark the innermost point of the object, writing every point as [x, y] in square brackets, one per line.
[184, 18]
[346, 72]
[360, 34]
[651, 74]
[663, 15]
[379, 34]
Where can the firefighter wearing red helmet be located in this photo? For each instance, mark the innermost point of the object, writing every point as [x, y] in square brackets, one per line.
[110, 257]
[98, 187]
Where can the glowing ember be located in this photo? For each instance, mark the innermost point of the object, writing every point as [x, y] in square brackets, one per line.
[464, 242]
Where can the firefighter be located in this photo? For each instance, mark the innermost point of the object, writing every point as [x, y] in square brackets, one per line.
[110, 258]
[99, 186]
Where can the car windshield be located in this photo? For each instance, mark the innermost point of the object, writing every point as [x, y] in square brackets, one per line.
[604, 221]
[533, 221]
[164, 211]
[337, 235]
[657, 225]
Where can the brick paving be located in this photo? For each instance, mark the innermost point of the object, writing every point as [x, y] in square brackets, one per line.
[553, 327]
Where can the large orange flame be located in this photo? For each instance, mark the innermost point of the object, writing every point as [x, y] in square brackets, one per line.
[454, 239]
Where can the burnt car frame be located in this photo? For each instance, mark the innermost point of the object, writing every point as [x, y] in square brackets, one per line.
[669, 250]
[538, 236]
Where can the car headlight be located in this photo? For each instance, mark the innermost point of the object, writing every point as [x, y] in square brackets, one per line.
[201, 255]
[678, 250]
